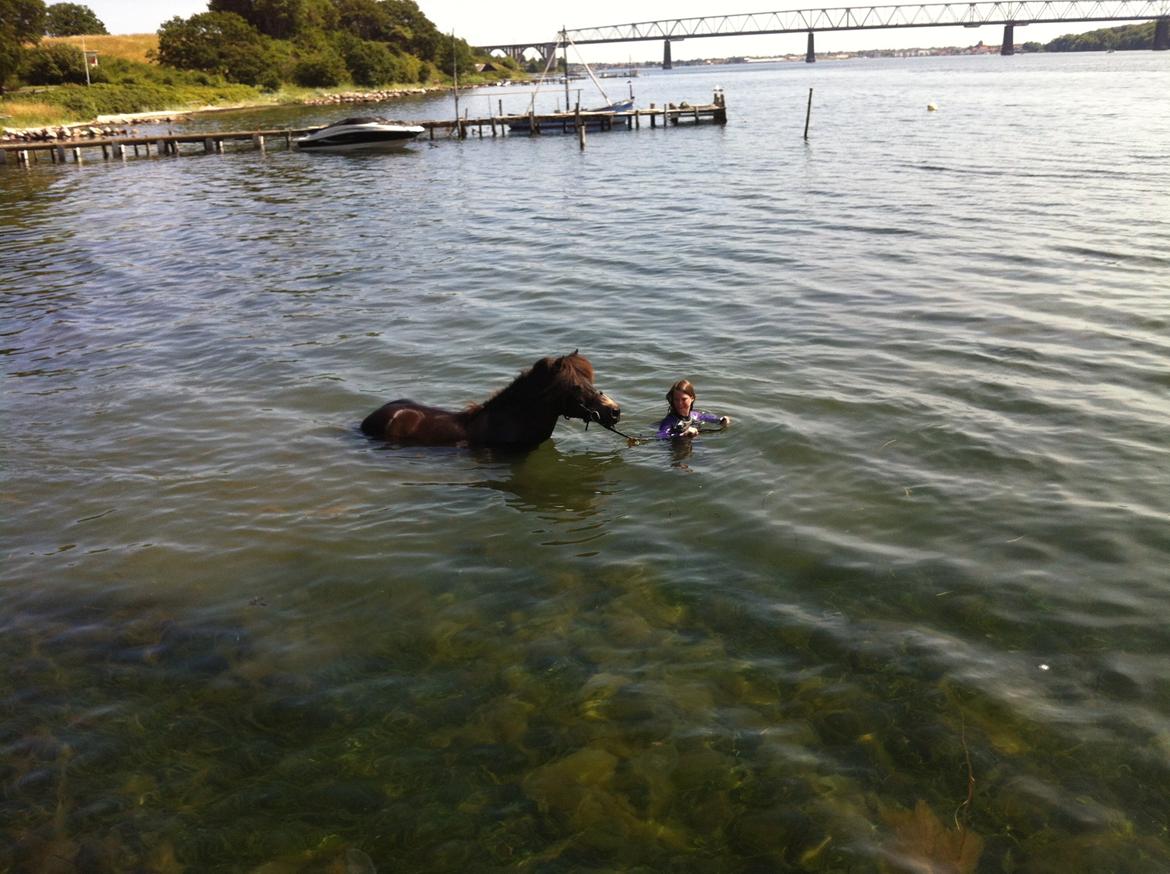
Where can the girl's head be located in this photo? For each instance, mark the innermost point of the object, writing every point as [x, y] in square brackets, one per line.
[681, 398]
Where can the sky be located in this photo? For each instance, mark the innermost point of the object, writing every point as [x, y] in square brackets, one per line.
[507, 21]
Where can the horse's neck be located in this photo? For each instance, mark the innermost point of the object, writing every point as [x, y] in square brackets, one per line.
[505, 423]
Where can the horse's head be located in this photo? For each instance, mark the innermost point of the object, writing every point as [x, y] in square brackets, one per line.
[581, 398]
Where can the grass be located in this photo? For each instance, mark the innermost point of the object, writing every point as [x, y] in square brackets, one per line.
[132, 47]
[30, 113]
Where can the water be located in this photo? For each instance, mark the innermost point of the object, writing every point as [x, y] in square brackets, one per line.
[911, 609]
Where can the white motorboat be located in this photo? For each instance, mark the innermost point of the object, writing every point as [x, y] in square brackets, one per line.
[352, 134]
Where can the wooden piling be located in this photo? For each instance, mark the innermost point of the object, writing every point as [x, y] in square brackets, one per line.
[76, 155]
[258, 141]
[808, 113]
[580, 127]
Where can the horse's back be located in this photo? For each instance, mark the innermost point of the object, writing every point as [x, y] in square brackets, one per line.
[406, 421]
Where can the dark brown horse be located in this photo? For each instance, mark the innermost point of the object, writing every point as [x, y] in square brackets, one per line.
[521, 415]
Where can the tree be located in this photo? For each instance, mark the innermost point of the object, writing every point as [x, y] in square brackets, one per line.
[218, 42]
[422, 37]
[21, 21]
[455, 54]
[281, 19]
[72, 19]
[1130, 36]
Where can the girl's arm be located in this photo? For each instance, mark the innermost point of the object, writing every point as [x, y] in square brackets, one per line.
[711, 418]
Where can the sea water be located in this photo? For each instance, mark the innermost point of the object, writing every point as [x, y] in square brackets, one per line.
[910, 609]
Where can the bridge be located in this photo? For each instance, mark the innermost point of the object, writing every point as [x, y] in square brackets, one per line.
[1006, 13]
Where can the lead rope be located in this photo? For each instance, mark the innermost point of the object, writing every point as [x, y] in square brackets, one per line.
[594, 416]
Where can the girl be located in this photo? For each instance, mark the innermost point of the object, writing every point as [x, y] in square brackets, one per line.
[682, 420]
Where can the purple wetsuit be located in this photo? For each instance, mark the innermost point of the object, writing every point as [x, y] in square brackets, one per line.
[676, 426]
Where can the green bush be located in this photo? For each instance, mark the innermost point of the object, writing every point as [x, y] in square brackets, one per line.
[408, 68]
[54, 64]
[369, 63]
[322, 69]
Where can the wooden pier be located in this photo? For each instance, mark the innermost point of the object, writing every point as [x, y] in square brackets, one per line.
[215, 142]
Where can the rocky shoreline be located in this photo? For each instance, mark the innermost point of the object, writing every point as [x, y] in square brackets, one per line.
[347, 97]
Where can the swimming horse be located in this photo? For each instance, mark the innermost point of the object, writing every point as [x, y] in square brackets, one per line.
[522, 415]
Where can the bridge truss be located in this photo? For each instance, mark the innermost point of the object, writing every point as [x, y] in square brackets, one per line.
[992, 12]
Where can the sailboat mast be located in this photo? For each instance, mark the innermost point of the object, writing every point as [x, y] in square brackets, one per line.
[565, 55]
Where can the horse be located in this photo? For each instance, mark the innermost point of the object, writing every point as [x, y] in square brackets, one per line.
[521, 416]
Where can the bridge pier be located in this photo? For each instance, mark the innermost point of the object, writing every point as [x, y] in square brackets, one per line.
[1009, 40]
[810, 56]
[666, 63]
[1162, 34]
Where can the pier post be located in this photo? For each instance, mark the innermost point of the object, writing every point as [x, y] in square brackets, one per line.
[1009, 40]
[120, 151]
[258, 140]
[653, 118]
[22, 157]
[666, 62]
[808, 113]
[105, 152]
[810, 56]
[76, 154]
[59, 154]
[719, 100]
[1162, 34]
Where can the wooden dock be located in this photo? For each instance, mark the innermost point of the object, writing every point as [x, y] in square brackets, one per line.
[216, 142]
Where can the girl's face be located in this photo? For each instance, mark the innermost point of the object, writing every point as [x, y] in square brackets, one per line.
[681, 402]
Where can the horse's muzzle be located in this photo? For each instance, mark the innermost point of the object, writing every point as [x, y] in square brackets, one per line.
[608, 412]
